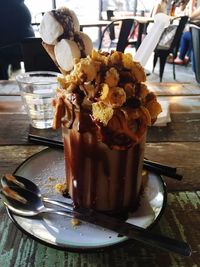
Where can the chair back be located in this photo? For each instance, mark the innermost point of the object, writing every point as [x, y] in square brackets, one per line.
[170, 39]
[110, 14]
[35, 56]
[177, 37]
[126, 28]
[195, 34]
[169, 43]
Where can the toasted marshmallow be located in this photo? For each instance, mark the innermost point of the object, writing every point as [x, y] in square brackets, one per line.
[75, 20]
[59, 23]
[87, 42]
[50, 29]
[65, 52]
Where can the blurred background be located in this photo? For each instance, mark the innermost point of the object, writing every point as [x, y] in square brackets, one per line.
[83, 9]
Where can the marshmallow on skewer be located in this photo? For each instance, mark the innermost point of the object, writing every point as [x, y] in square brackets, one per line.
[50, 51]
[67, 50]
[87, 42]
[62, 39]
[50, 29]
[65, 53]
[57, 24]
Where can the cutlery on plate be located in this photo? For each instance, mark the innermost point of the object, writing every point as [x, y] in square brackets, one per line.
[31, 204]
[11, 180]
[25, 203]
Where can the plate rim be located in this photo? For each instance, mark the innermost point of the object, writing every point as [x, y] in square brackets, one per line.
[84, 249]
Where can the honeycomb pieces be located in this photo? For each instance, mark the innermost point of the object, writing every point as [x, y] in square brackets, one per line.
[111, 87]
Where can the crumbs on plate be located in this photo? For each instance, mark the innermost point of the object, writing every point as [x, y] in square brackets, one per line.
[51, 179]
[75, 222]
[60, 188]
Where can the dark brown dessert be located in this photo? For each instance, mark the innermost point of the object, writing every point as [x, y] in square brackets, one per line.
[104, 109]
[101, 178]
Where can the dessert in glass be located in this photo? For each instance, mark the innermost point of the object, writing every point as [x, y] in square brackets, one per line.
[104, 109]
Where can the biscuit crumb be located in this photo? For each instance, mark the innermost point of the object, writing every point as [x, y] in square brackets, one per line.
[75, 222]
[51, 179]
[60, 188]
[144, 172]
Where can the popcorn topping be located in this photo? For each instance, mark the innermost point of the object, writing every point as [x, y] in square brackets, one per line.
[108, 90]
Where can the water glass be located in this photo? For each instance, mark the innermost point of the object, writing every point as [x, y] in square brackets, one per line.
[37, 91]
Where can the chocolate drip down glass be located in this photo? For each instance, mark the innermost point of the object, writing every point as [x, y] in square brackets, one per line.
[101, 178]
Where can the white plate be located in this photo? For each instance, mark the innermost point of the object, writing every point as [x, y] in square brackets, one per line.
[57, 231]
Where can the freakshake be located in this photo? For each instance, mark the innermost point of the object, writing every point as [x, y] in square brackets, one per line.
[104, 109]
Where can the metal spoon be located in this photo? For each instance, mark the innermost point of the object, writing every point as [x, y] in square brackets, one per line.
[15, 180]
[26, 203]
[11, 180]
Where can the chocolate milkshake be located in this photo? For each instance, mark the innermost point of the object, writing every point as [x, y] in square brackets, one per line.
[104, 109]
[99, 177]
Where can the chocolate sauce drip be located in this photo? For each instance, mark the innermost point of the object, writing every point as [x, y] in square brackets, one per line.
[122, 167]
[76, 169]
[68, 163]
[87, 162]
[135, 173]
[64, 17]
[94, 173]
[137, 90]
[80, 181]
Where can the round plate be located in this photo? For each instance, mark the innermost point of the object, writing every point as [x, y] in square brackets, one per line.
[46, 168]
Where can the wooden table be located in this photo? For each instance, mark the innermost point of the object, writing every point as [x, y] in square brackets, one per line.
[177, 144]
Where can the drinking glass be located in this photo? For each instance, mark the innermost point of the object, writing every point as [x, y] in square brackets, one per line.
[38, 90]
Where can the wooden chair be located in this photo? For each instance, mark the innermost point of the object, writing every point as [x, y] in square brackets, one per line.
[35, 57]
[125, 29]
[195, 34]
[162, 52]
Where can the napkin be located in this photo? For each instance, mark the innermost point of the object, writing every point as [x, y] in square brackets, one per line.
[164, 116]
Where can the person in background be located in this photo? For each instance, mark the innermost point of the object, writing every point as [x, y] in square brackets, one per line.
[185, 48]
[181, 8]
[160, 6]
[15, 25]
[195, 16]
